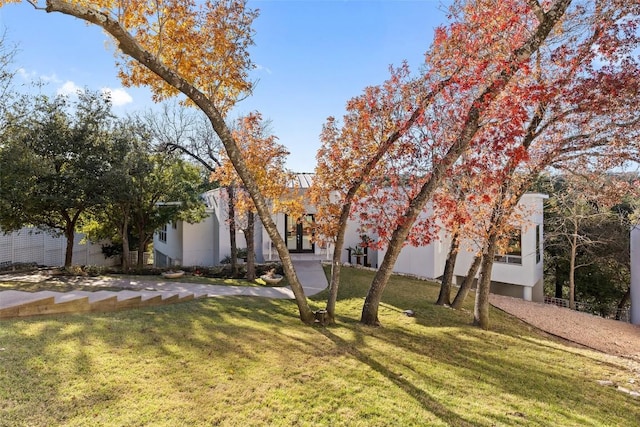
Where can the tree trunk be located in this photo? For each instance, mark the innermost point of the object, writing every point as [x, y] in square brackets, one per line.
[232, 231]
[444, 298]
[69, 233]
[467, 283]
[466, 134]
[399, 236]
[374, 296]
[124, 235]
[142, 248]
[623, 302]
[559, 282]
[481, 307]
[249, 233]
[336, 264]
[572, 268]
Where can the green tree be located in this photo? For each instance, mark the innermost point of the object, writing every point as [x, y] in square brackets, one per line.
[149, 189]
[54, 164]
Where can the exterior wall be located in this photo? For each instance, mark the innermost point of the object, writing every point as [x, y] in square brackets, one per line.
[428, 261]
[198, 243]
[268, 250]
[635, 275]
[417, 261]
[191, 243]
[31, 245]
[169, 253]
[528, 276]
[218, 203]
[351, 239]
[424, 261]
[225, 240]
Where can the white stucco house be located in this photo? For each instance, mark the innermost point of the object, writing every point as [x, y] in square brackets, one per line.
[518, 273]
[207, 243]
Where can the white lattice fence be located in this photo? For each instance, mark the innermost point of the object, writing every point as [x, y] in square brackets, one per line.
[30, 246]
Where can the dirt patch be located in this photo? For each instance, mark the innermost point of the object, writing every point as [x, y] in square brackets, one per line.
[605, 335]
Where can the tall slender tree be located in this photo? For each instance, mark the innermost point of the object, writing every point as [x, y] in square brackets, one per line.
[199, 50]
[491, 60]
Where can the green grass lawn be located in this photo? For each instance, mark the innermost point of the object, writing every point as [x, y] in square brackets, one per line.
[248, 361]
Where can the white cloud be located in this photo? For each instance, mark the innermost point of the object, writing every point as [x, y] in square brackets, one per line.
[26, 75]
[50, 78]
[265, 69]
[69, 88]
[119, 97]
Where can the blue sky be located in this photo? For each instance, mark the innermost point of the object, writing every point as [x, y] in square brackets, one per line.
[312, 57]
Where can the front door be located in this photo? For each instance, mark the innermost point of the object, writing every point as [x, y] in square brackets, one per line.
[299, 234]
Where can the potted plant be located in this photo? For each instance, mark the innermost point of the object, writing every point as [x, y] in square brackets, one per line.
[365, 242]
[358, 252]
[241, 253]
[172, 274]
[271, 278]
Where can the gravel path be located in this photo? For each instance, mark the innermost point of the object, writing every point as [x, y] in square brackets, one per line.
[605, 335]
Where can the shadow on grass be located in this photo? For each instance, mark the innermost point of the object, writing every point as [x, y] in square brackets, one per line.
[513, 358]
[240, 352]
[420, 395]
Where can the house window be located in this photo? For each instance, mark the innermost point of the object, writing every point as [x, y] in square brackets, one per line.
[538, 244]
[512, 253]
[162, 234]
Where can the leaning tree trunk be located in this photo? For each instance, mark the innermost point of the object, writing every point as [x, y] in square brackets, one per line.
[336, 263]
[249, 233]
[467, 283]
[481, 307]
[444, 298]
[467, 133]
[369, 314]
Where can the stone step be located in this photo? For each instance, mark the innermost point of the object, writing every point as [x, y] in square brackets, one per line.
[22, 304]
[12, 298]
[12, 301]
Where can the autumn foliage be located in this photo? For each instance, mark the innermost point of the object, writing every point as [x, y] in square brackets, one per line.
[524, 87]
[507, 88]
[265, 158]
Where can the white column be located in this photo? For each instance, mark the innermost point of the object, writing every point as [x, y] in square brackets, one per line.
[635, 276]
[526, 293]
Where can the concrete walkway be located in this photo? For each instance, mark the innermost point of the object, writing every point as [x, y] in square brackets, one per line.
[310, 273]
